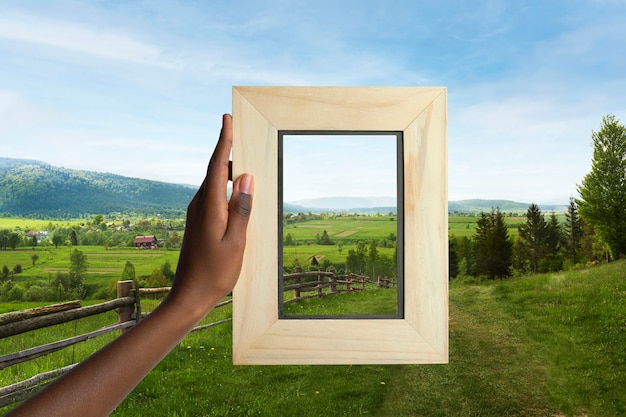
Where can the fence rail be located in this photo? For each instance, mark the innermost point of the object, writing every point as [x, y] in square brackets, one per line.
[128, 306]
[318, 281]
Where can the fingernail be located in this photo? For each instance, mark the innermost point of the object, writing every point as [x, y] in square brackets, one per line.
[246, 184]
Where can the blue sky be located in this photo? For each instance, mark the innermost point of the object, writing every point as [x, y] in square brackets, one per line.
[138, 87]
[348, 165]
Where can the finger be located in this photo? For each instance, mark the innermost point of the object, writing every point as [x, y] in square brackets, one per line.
[239, 209]
[217, 175]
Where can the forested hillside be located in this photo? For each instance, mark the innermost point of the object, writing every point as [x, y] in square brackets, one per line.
[32, 188]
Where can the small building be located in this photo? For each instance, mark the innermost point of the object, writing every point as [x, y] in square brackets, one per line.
[146, 242]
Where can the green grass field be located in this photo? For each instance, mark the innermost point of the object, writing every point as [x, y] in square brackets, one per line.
[465, 226]
[104, 265]
[13, 223]
[542, 345]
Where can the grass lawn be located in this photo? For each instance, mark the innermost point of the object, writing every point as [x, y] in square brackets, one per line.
[545, 345]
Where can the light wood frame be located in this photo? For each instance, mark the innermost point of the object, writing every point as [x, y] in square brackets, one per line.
[259, 336]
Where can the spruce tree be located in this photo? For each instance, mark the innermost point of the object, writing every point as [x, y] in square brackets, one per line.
[534, 237]
[602, 201]
[554, 236]
[129, 272]
[572, 233]
[493, 248]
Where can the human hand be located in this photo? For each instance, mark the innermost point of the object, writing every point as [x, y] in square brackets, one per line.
[215, 234]
[208, 268]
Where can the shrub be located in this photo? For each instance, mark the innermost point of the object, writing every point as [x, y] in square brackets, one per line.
[157, 279]
[4, 289]
[16, 293]
[36, 293]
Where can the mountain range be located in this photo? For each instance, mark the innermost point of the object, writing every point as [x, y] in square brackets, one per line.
[34, 188]
[388, 204]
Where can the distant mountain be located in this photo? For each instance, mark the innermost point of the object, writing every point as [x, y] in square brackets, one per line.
[34, 188]
[342, 204]
[387, 204]
[476, 206]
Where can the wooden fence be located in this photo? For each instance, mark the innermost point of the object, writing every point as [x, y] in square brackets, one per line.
[127, 304]
[322, 283]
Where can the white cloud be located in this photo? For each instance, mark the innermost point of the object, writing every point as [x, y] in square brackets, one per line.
[16, 112]
[74, 37]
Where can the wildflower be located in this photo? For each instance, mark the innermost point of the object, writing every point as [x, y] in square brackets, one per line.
[317, 393]
[188, 347]
[212, 348]
[382, 382]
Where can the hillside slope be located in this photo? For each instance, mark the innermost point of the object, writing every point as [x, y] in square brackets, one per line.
[33, 188]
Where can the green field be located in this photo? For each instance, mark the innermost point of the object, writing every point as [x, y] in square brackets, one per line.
[16, 223]
[104, 265]
[465, 226]
[541, 345]
[344, 229]
[344, 232]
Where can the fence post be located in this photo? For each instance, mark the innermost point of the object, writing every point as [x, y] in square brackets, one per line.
[137, 302]
[124, 313]
[348, 280]
[296, 290]
[319, 284]
[333, 282]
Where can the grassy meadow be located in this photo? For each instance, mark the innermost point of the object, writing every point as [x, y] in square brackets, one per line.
[104, 266]
[540, 345]
[344, 232]
[17, 223]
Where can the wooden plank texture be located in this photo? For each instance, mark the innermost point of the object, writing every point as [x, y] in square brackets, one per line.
[421, 336]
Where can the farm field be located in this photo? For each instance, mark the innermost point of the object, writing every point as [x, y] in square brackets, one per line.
[465, 226]
[106, 264]
[536, 345]
[13, 223]
[344, 229]
[344, 232]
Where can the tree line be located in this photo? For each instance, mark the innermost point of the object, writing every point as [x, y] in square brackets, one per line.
[594, 228]
[99, 231]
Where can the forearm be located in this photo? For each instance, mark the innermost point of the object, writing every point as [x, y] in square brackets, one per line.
[208, 268]
[97, 385]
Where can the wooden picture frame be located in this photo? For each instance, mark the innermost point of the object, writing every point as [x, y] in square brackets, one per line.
[421, 335]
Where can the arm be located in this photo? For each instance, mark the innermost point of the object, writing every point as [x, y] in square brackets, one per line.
[208, 268]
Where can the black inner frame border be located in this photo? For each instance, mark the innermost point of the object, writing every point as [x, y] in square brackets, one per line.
[400, 220]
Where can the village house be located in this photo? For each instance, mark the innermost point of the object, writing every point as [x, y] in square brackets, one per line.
[146, 242]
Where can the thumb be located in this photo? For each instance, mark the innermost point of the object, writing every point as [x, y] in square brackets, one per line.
[239, 207]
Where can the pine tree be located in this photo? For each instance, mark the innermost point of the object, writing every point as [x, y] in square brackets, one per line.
[129, 272]
[554, 236]
[533, 235]
[602, 201]
[572, 233]
[453, 258]
[493, 248]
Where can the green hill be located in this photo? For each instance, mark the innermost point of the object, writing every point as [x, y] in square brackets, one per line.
[477, 206]
[33, 188]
